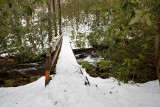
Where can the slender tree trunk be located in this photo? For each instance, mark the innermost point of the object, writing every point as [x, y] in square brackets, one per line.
[28, 21]
[59, 14]
[55, 20]
[157, 47]
[18, 33]
[49, 20]
[97, 17]
[77, 18]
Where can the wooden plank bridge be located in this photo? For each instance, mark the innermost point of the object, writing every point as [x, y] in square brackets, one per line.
[52, 54]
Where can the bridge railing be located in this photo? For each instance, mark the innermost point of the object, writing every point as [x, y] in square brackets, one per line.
[52, 54]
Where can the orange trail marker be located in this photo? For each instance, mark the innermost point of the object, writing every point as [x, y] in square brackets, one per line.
[47, 75]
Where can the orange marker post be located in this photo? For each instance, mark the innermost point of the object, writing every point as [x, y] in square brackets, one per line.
[48, 66]
[47, 73]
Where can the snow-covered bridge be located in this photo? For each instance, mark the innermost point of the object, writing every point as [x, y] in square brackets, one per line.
[67, 89]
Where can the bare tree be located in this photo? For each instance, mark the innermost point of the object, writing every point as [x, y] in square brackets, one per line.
[49, 4]
[157, 47]
[59, 14]
[54, 16]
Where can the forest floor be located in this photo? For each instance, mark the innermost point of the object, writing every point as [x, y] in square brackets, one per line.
[68, 88]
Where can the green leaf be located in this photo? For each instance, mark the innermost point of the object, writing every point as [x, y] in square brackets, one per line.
[148, 20]
[145, 46]
[139, 14]
[156, 7]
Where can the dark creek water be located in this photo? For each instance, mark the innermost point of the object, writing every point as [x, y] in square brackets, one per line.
[13, 74]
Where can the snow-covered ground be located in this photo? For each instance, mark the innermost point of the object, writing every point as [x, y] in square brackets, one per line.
[67, 89]
[70, 30]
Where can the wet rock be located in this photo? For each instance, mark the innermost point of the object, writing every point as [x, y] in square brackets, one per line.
[94, 55]
[83, 55]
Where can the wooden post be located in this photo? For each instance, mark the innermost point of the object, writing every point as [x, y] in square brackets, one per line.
[48, 61]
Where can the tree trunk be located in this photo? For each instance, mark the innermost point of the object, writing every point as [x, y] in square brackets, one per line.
[157, 47]
[77, 18]
[28, 21]
[54, 16]
[59, 14]
[49, 20]
[18, 33]
[97, 18]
